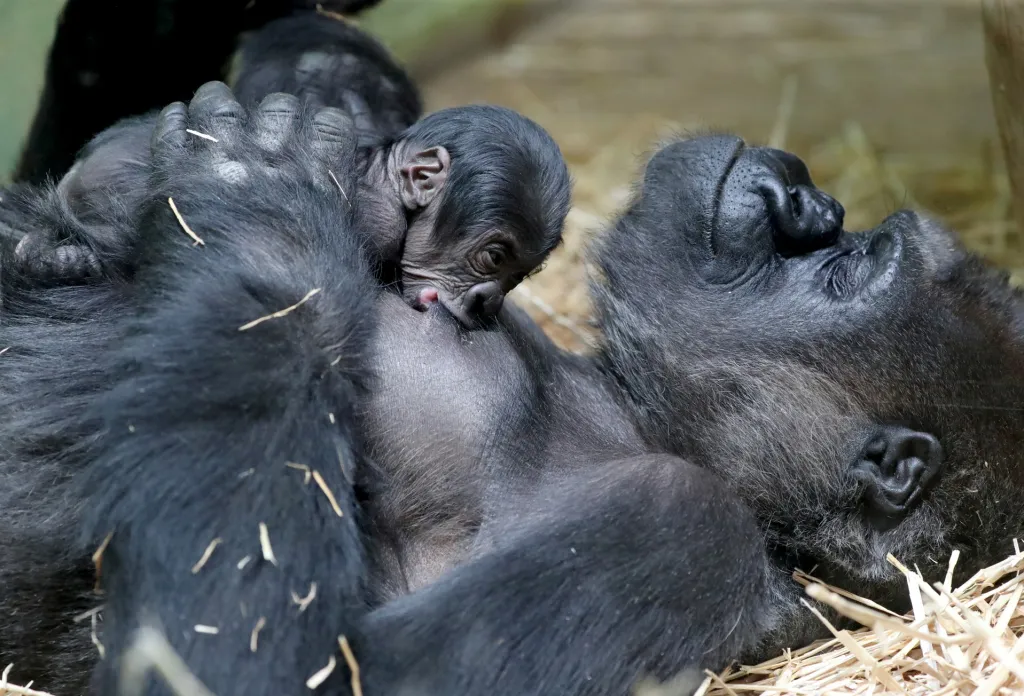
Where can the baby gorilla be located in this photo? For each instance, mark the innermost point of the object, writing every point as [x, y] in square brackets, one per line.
[460, 207]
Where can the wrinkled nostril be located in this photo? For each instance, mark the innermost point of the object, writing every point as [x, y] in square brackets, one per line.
[484, 300]
[811, 220]
[795, 198]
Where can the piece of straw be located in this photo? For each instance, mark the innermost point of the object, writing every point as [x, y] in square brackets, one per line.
[281, 312]
[321, 675]
[327, 492]
[206, 555]
[184, 225]
[353, 666]
[265, 547]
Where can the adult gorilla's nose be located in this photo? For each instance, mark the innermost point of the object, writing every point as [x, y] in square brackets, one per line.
[804, 217]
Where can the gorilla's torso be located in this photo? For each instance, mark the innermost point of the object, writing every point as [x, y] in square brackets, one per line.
[455, 431]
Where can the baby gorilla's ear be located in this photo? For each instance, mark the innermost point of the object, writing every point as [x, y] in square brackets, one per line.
[896, 467]
[423, 176]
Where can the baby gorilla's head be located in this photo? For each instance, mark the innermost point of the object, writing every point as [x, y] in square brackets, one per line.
[486, 193]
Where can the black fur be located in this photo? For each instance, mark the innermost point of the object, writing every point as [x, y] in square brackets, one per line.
[63, 227]
[505, 183]
[506, 171]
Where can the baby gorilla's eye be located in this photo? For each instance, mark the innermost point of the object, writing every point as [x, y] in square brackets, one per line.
[493, 257]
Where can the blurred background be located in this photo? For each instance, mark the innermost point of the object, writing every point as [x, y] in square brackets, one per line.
[887, 100]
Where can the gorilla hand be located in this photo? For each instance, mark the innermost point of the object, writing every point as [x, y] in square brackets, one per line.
[278, 142]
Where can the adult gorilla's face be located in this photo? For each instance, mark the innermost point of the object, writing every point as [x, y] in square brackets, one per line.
[759, 337]
[754, 226]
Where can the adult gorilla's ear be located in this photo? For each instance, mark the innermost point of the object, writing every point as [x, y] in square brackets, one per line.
[896, 466]
[423, 176]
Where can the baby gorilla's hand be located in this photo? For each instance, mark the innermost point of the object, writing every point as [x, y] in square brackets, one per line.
[42, 257]
[279, 143]
[55, 245]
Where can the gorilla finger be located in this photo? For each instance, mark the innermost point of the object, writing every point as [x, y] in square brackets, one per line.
[27, 245]
[73, 262]
[215, 112]
[169, 136]
[360, 110]
[334, 139]
[276, 119]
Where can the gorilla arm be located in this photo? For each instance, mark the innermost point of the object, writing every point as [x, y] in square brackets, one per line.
[636, 567]
[228, 440]
[68, 237]
[332, 63]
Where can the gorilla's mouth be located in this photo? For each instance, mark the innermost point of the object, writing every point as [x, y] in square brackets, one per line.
[862, 261]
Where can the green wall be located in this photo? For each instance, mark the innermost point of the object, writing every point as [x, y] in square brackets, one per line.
[26, 27]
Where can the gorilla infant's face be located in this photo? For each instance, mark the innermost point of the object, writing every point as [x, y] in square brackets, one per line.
[862, 390]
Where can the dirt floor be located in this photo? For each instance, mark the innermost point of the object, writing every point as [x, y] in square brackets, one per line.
[888, 100]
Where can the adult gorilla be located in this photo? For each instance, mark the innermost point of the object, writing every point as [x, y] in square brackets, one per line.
[492, 515]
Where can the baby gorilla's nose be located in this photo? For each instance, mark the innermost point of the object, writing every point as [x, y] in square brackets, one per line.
[484, 300]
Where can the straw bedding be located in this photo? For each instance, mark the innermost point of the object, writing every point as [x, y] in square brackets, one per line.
[964, 640]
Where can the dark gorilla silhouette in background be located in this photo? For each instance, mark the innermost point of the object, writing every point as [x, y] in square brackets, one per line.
[172, 47]
[495, 516]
